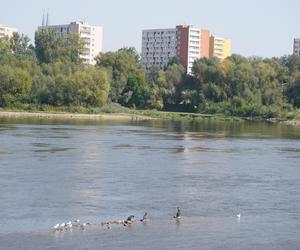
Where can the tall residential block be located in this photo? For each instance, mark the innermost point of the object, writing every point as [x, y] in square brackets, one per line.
[192, 44]
[296, 49]
[219, 47]
[184, 42]
[158, 47]
[6, 31]
[91, 35]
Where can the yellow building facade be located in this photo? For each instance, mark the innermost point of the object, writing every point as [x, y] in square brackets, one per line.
[219, 47]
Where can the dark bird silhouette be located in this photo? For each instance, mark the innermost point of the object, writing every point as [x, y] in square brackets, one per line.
[130, 218]
[178, 213]
[144, 217]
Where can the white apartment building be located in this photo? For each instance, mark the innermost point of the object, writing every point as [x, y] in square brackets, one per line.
[158, 47]
[91, 35]
[6, 31]
[296, 50]
[194, 47]
[184, 42]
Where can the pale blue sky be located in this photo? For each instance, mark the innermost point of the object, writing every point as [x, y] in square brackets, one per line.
[256, 27]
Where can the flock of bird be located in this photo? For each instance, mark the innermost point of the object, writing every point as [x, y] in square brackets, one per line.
[76, 223]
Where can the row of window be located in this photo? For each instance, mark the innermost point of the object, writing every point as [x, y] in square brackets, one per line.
[157, 43]
[154, 59]
[158, 52]
[149, 41]
[158, 48]
[194, 47]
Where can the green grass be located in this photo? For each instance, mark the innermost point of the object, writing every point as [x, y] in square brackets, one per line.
[115, 108]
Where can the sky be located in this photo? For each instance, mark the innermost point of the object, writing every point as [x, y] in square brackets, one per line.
[263, 28]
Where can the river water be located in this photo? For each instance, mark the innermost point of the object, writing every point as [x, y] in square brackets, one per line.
[53, 172]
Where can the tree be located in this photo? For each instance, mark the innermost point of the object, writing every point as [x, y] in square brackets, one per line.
[134, 93]
[293, 93]
[156, 80]
[174, 76]
[21, 47]
[46, 46]
[15, 84]
[50, 49]
[121, 64]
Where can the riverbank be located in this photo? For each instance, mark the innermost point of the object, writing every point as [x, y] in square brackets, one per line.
[47, 115]
[118, 112]
[295, 122]
[124, 115]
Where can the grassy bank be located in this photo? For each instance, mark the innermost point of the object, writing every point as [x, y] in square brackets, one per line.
[115, 110]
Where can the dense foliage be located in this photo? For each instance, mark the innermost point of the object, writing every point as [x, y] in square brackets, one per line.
[52, 73]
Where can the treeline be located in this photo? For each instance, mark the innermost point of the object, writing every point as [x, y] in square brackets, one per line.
[52, 73]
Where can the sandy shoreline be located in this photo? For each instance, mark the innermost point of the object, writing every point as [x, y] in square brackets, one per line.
[42, 115]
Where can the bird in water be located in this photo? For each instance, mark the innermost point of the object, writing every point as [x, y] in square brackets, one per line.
[56, 227]
[145, 218]
[69, 225]
[238, 216]
[82, 226]
[129, 220]
[178, 213]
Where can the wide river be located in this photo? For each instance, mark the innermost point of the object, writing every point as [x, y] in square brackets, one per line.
[55, 171]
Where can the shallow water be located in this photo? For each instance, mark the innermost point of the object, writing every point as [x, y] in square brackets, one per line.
[53, 172]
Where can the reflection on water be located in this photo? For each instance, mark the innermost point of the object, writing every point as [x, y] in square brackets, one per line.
[55, 171]
[52, 150]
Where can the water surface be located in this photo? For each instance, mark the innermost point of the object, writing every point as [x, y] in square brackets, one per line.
[53, 172]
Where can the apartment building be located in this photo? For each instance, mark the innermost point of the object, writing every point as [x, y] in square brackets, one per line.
[192, 44]
[296, 49]
[158, 47]
[219, 47]
[91, 35]
[184, 42]
[6, 31]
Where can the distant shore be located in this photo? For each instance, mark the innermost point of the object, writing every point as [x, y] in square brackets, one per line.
[139, 116]
[293, 122]
[58, 115]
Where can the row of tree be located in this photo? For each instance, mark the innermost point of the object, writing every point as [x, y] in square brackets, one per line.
[52, 72]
